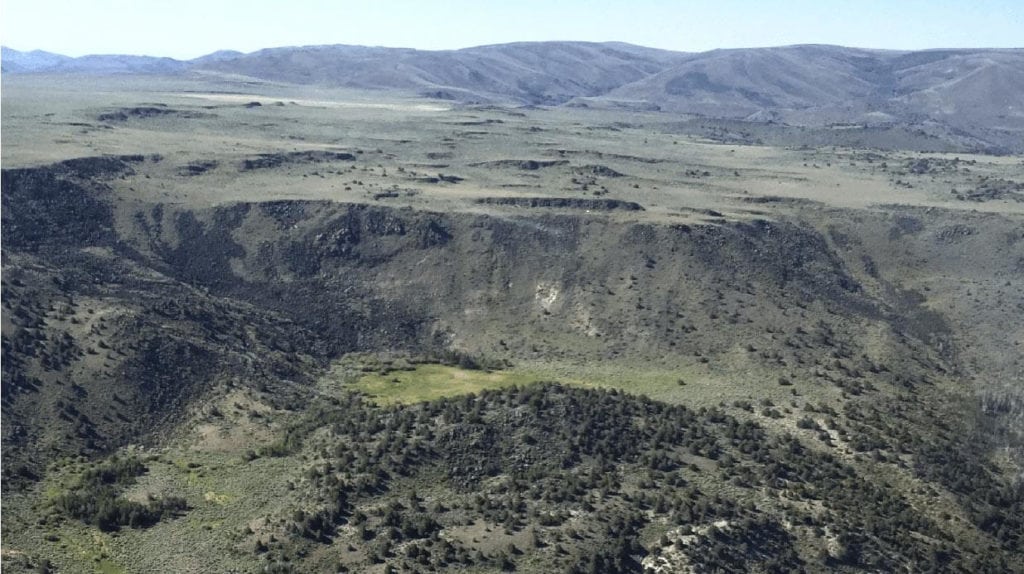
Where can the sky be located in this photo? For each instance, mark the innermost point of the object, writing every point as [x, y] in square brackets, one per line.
[186, 29]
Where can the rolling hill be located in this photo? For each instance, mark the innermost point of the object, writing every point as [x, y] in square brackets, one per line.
[39, 61]
[974, 96]
[543, 73]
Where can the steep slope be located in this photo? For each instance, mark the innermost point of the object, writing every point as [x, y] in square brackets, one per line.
[90, 280]
[839, 428]
[98, 348]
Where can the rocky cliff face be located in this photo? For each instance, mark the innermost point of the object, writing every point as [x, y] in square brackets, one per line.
[418, 272]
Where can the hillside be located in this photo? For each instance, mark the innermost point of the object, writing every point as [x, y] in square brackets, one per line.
[972, 97]
[132, 323]
[737, 83]
[543, 73]
[300, 329]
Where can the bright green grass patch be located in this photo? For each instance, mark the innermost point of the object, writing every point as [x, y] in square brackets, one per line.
[430, 382]
[692, 384]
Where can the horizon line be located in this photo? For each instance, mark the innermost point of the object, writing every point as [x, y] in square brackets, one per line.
[525, 42]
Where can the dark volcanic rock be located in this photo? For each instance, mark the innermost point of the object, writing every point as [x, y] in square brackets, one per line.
[563, 203]
[271, 160]
[524, 164]
[146, 112]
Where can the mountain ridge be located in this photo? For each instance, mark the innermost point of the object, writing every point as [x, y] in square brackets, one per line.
[977, 94]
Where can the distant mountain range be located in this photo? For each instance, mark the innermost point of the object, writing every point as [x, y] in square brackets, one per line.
[38, 61]
[969, 93]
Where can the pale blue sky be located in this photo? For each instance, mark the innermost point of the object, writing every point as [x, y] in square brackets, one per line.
[189, 28]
